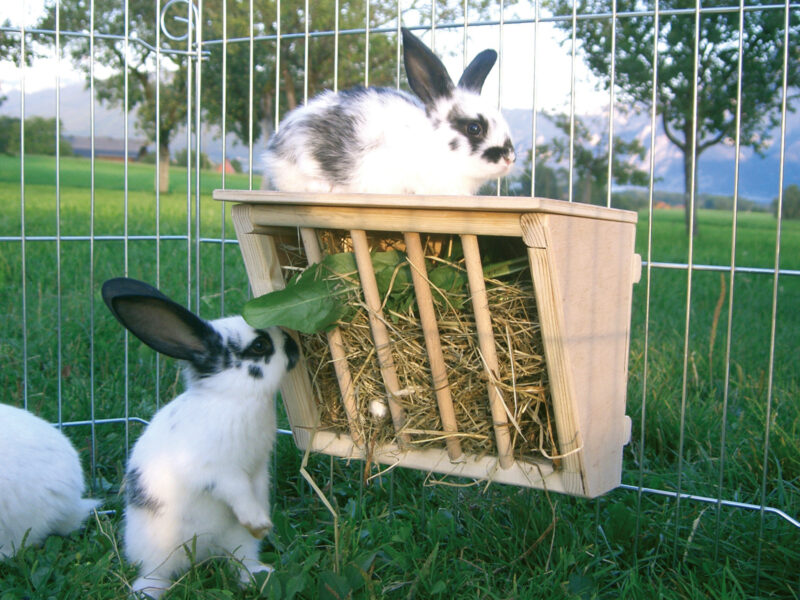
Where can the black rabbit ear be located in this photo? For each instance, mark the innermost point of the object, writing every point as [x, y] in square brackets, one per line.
[162, 324]
[426, 74]
[476, 72]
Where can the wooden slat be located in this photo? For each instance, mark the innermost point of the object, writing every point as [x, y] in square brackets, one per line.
[430, 330]
[386, 219]
[263, 270]
[486, 342]
[537, 473]
[380, 334]
[336, 345]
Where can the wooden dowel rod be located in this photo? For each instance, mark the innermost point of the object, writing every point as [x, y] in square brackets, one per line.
[483, 323]
[430, 330]
[336, 344]
[380, 334]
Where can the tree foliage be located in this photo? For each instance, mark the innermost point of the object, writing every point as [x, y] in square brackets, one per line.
[40, 136]
[719, 36]
[790, 205]
[589, 164]
[590, 159]
[136, 81]
[11, 50]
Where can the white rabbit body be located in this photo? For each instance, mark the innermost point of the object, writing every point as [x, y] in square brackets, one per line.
[199, 474]
[41, 481]
[449, 140]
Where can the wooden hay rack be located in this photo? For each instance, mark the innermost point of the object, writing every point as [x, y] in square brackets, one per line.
[582, 265]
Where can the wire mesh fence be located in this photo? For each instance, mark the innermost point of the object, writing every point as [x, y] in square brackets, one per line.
[713, 382]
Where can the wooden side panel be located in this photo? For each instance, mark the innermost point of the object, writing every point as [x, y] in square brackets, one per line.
[263, 270]
[594, 263]
[550, 305]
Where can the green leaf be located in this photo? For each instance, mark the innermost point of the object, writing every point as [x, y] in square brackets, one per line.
[333, 587]
[308, 306]
[392, 272]
[342, 264]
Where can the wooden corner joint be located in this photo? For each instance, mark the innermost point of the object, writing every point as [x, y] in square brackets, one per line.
[534, 226]
[240, 213]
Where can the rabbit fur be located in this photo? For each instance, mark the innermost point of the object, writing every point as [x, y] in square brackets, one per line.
[199, 474]
[445, 140]
[41, 481]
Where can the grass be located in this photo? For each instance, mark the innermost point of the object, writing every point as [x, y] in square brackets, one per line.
[401, 536]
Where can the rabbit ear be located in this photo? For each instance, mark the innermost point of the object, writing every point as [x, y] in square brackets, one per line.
[162, 324]
[426, 73]
[475, 74]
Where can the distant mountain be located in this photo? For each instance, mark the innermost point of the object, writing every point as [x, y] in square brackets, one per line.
[759, 176]
[109, 121]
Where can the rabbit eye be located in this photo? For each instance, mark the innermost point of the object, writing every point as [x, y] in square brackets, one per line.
[260, 346]
[474, 129]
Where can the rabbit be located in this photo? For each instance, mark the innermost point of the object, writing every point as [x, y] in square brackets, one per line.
[199, 473]
[41, 481]
[446, 140]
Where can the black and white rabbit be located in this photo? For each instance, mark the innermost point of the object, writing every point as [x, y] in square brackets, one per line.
[447, 140]
[199, 474]
[41, 481]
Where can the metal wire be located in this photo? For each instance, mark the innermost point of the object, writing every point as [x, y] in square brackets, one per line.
[22, 246]
[573, 58]
[687, 326]
[59, 361]
[648, 265]
[92, 403]
[158, 168]
[729, 333]
[775, 284]
[611, 103]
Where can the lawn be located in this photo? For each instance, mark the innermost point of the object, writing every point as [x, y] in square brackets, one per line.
[399, 536]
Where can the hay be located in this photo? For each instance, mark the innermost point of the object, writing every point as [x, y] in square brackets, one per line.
[522, 376]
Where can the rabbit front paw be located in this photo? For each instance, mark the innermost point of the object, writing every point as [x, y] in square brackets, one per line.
[258, 527]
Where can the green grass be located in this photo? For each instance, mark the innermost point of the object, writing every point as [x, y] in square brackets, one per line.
[399, 536]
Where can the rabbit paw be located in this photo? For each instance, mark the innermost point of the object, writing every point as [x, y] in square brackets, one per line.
[258, 528]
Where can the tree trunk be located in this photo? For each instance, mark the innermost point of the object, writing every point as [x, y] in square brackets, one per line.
[587, 190]
[288, 88]
[688, 196]
[163, 171]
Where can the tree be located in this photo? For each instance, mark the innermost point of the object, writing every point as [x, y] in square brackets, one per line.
[549, 181]
[716, 85]
[141, 76]
[40, 136]
[590, 160]
[791, 203]
[589, 164]
[11, 50]
[351, 64]
[138, 55]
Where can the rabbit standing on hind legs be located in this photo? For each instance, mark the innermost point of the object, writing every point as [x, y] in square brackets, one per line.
[199, 474]
[445, 140]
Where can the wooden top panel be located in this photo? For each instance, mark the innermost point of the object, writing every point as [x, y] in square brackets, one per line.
[506, 204]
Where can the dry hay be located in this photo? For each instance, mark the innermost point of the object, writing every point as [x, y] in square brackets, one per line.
[522, 373]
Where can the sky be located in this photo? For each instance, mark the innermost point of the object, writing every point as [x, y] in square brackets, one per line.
[553, 67]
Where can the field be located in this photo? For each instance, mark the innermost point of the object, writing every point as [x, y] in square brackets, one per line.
[402, 535]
